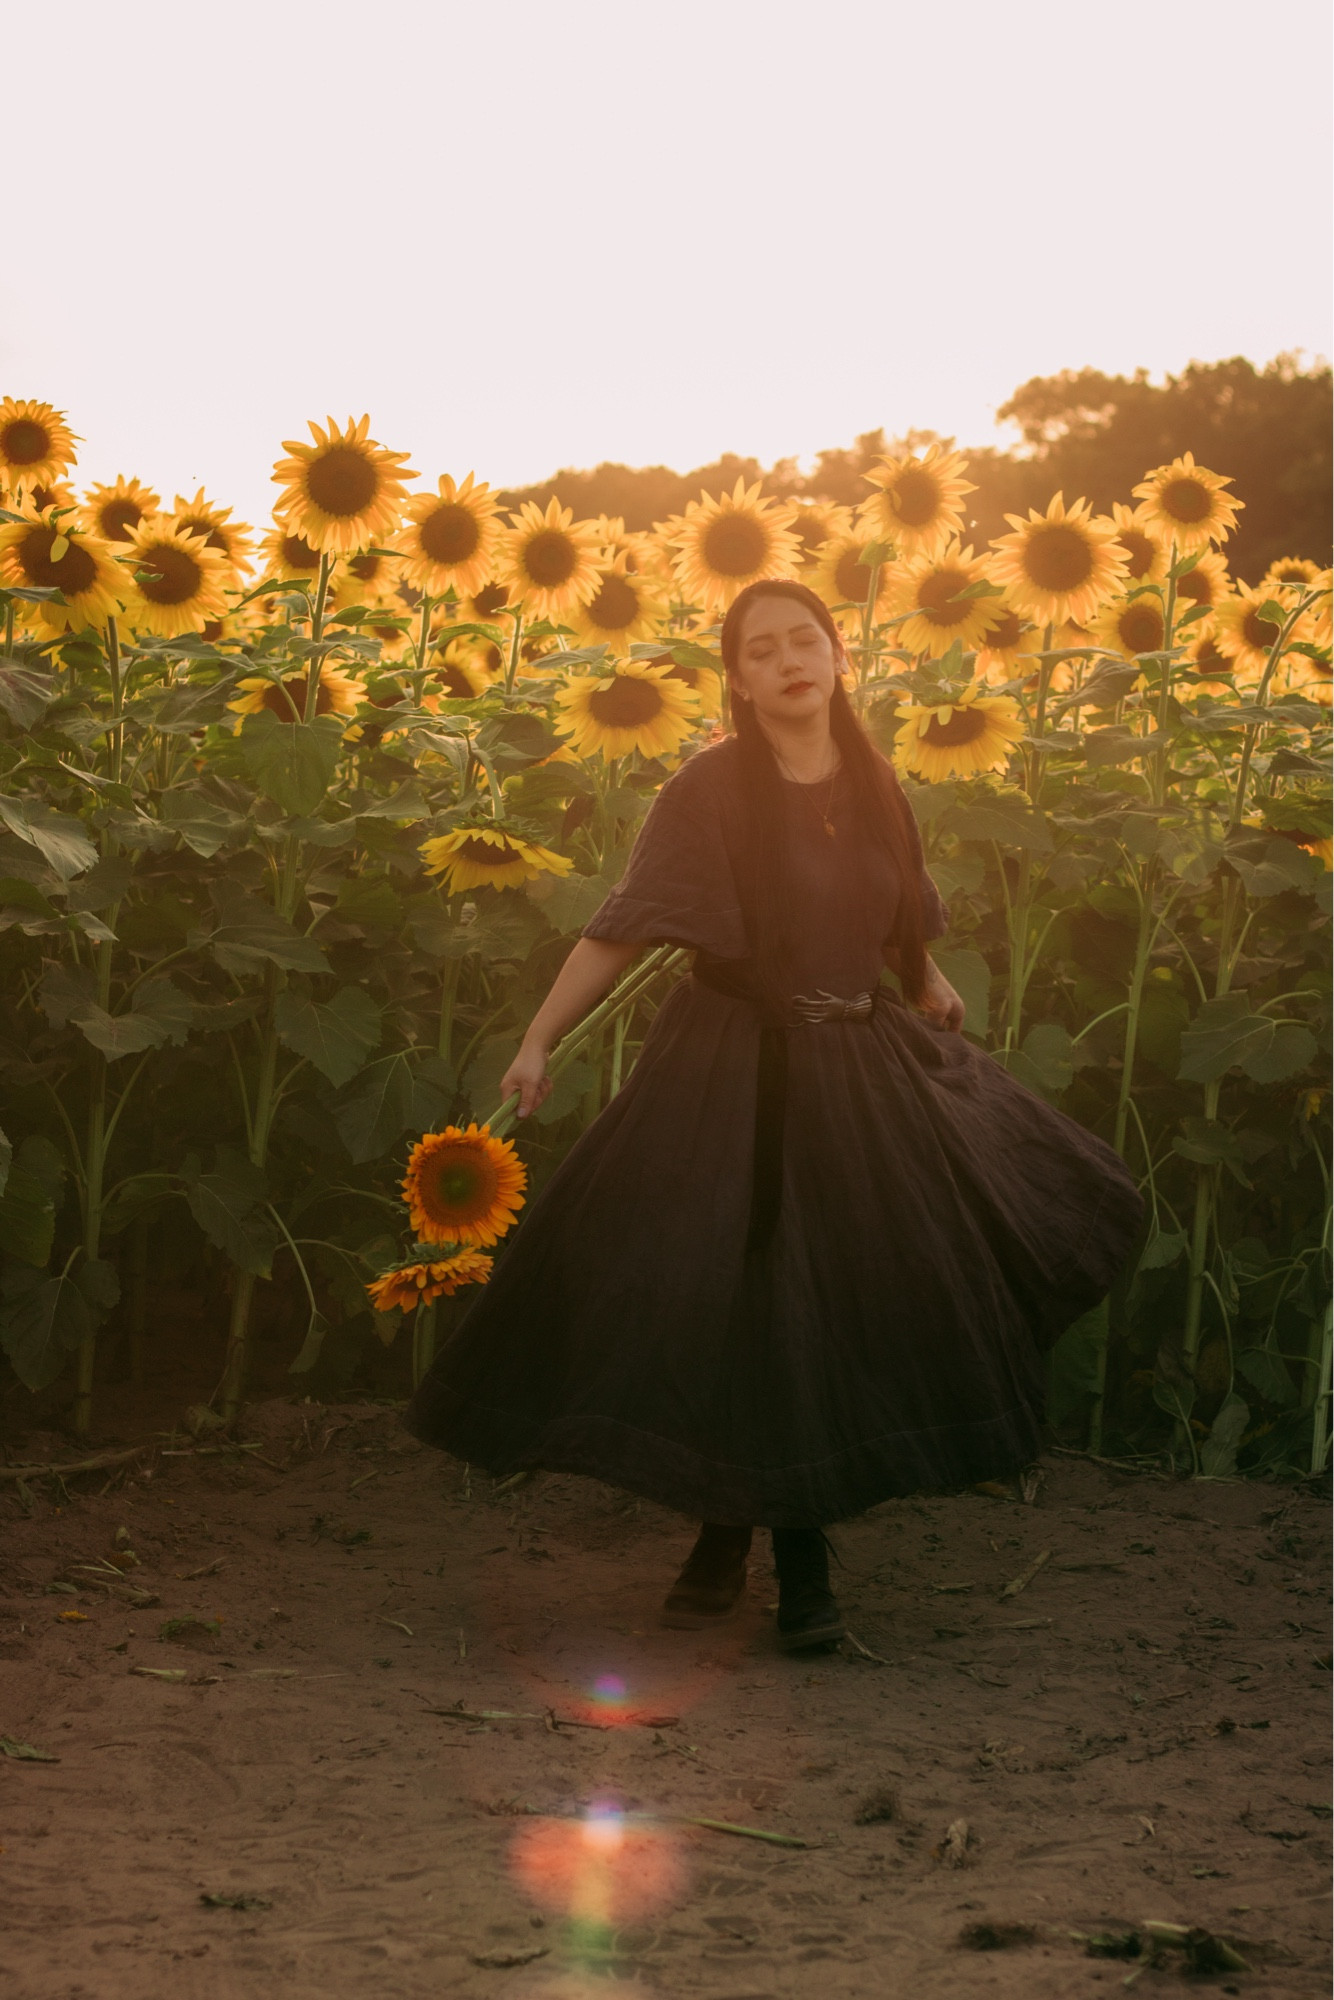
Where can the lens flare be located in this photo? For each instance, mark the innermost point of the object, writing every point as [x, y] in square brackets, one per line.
[602, 1869]
[609, 1692]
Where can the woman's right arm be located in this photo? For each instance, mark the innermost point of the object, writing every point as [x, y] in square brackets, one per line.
[591, 969]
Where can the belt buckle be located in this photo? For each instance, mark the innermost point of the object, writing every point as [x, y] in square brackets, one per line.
[830, 1007]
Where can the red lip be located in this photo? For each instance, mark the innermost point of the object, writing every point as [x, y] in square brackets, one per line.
[798, 687]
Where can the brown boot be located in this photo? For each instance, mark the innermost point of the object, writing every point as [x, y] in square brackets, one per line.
[713, 1580]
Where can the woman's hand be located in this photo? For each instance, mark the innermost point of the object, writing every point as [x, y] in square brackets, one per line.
[940, 1003]
[528, 1075]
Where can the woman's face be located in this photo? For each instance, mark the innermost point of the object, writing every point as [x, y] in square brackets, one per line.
[786, 664]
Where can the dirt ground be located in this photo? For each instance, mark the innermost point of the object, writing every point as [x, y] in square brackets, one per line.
[964, 1797]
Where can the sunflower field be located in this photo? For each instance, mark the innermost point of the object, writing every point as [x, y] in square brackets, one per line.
[298, 828]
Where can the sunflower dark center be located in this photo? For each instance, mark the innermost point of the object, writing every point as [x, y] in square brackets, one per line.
[342, 480]
[450, 533]
[1208, 660]
[1139, 551]
[76, 571]
[1058, 558]
[492, 597]
[550, 558]
[44, 497]
[1186, 500]
[1198, 586]
[1004, 631]
[1258, 632]
[734, 545]
[935, 591]
[168, 576]
[292, 695]
[916, 497]
[616, 604]
[1141, 626]
[627, 704]
[195, 524]
[484, 853]
[1289, 573]
[366, 568]
[454, 682]
[852, 579]
[23, 442]
[964, 725]
[118, 517]
[298, 554]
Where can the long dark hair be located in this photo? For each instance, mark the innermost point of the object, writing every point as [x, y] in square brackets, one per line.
[883, 813]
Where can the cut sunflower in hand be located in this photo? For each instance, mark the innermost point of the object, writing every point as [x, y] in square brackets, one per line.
[835, 572]
[344, 491]
[549, 559]
[953, 739]
[450, 537]
[1060, 565]
[624, 608]
[721, 544]
[202, 516]
[412, 1285]
[114, 511]
[1146, 558]
[1132, 625]
[916, 506]
[38, 552]
[1185, 503]
[929, 588]
[338, 693]
[634, 707]
[481, 856]
[36, 445]
[176, 582]
[463, 1186]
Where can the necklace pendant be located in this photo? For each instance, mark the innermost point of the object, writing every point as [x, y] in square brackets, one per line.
[829, 828]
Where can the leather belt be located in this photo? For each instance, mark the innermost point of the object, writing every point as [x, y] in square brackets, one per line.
[737, 979]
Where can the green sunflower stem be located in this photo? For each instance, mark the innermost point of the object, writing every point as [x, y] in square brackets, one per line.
[317, 633]
[516, 641]
[867, 649]
[1320, 1439]
[423, 644]
[9, 629]
[236, 1364]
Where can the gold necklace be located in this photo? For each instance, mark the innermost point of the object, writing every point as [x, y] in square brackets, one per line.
[821, 811]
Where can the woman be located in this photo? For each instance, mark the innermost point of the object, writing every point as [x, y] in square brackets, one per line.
[811, 1253]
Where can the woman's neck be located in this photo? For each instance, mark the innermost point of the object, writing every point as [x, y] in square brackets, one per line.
[806, 750]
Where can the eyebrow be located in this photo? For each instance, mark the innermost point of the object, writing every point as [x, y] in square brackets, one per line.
[807, 625]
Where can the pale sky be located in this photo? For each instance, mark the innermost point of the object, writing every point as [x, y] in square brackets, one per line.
[524, 235]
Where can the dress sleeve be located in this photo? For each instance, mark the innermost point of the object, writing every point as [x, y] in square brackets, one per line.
[679, 886]
[935, 915]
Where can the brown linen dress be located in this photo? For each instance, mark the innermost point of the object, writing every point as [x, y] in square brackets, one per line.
[935, 1224]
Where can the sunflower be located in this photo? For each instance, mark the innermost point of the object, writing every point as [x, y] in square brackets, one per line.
[1217, 669]
[450, 537]
[369, 578]
[614, 540]
[1008, 637]
[929, 588]
[288, 557]
[338, 693]
[39, 553]
[462, 669]
[623, 608]
[1300, 674]
[1132, 625]
[113, 511]
[462, 1186]
[487, 602]
[837, 573]
[487, 857]
[344, 491]
[635, 707]
[953, 739]
[1060, 565]
[1241, 633]
[36, 444]
[176, 581]
[549, 560]
[52, 493]
[1186, 504]
[1291, 571]
[723, 544]
[917, 504]
[816, 522]
[706, 682]
[420, 1284]
[1206, 584]
[1146, 558]
[230, 538]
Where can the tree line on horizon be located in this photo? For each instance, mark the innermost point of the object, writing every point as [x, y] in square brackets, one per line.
[1085, 432]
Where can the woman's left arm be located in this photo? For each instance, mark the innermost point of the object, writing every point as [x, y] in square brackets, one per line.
[940, 1003]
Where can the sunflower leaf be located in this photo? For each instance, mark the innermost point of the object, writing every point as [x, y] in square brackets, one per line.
[226, 1204]
[1218, 1453]
[386, 1100]
[60, 840]
[23, 694]
[292, 762]
[203, 826]
[42, 1319]
[27, 1217]
[336, 1036]
[250, 932]
[514, 740]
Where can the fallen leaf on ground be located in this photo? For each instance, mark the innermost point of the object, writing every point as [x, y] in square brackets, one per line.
[499, 1960]
[1025, 1576]
[25, 1753]
[223, 1902]
[953, 1849]
[73, 1617]
[160, 1673]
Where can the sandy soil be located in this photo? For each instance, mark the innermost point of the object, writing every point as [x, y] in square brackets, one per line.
[1138, 1734]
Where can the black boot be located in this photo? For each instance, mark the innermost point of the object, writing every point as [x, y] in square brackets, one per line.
[808, 1617]
[710, 1586]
